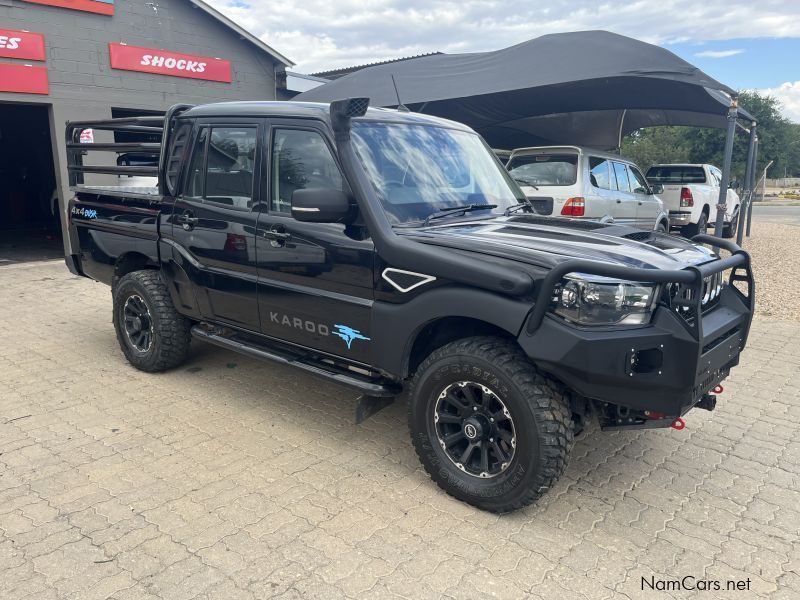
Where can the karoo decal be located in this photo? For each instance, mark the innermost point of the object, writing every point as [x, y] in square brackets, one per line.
[27, 79]
[24, 45]
[298, 323]
[100, 7]
[348, 334]
[165, 62]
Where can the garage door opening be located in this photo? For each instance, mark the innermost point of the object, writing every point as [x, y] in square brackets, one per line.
[30, 227]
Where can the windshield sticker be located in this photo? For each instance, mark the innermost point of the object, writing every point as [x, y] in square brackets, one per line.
[348, 334]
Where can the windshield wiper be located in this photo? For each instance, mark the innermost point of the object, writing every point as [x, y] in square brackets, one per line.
[518, 207]
[454, 210]
[527, 182]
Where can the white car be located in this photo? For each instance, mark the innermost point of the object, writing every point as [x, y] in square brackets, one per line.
[691, 194]
[575, 182]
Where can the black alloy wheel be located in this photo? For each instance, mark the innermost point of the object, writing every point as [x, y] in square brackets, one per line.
[138, 323]
[475, 429]
[151, 333]
[488, 427]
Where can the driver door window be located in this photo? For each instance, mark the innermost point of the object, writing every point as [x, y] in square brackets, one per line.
[638, 181]
[300, 159]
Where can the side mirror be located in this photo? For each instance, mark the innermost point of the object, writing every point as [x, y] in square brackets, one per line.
[734, 185]
[657, 188]
[321, 205]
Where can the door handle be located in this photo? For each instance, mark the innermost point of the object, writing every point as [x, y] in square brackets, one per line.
[619, 201]
[280, 236]
[187, 220]
[277, 235]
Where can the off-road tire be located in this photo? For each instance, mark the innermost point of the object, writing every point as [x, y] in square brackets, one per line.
[729, 229]
[170, 329]
[539, 409]
[692, 229]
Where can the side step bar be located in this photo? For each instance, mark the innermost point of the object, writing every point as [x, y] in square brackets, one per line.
[363, 383]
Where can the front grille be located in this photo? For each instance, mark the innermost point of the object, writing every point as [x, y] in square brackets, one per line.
[681, 297]
[542, 205]
[712, 288]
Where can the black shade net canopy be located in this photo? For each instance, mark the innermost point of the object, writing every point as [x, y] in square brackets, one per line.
[586, 88]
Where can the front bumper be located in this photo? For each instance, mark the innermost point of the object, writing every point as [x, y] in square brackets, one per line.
[679, 218]
[664, 367]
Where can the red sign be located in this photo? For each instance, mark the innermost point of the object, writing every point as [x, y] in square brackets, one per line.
[101, 7]
[22, 44]
[23, 78]
[164, 62]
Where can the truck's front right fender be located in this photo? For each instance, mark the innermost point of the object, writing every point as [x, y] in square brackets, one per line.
[396, 326]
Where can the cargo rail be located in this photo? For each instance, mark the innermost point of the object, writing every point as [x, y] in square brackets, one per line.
[152, 125]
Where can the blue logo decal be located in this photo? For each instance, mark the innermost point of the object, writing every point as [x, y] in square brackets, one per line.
[348, 334]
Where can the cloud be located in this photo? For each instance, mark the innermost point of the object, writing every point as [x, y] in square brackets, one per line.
[718, 53]
[788, 94]
[321, 34]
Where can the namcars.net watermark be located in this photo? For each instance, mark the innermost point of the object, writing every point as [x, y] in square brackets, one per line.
[691, 583]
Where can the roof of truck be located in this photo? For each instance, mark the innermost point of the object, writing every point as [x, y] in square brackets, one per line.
[311, 110]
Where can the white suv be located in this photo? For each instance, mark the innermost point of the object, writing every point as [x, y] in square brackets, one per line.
[570, 181]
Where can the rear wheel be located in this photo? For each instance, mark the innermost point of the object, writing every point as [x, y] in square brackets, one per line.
[729, 229]
[693, 229]
[661, 227]
[151, 333]
[487, 426]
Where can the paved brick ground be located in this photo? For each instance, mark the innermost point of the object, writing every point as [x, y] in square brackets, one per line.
[230, 478]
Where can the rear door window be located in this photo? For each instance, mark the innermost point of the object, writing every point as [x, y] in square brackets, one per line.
[221, 167]
[599, 174]
[544, 169]
[230, 162]
[621, 175]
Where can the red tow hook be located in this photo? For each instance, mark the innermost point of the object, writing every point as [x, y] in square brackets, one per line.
[719, 389]
[678, 424]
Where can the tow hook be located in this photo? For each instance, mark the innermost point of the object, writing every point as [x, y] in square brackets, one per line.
[708, 401]
[678, 424]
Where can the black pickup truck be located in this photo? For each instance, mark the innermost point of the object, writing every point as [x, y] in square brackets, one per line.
[390, 251]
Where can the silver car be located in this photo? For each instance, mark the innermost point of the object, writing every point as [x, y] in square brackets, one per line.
[576, 182]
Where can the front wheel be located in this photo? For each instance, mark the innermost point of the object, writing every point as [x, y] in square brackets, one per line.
[151, 333]
[487, 426]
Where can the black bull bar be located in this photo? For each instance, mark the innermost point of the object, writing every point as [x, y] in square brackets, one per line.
[698, 343]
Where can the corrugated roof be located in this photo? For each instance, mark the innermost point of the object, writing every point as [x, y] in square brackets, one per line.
[242, 32]
[336, 73]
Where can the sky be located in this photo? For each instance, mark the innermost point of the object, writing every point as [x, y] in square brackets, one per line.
[746, 45]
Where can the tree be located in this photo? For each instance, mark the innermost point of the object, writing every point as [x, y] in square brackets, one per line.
[778, 138]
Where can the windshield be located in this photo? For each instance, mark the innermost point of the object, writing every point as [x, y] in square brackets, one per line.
[544, 169]
[419, 170]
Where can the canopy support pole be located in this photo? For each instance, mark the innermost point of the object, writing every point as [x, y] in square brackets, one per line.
[744, 208]
[733, 112]
[621, 123]
[755, 184]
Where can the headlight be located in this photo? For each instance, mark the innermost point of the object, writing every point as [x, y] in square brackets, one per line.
[599, 301]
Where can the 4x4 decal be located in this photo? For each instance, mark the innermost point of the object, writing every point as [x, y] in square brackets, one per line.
[348, 334]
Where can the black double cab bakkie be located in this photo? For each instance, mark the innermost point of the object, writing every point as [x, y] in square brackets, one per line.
[392, 253]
